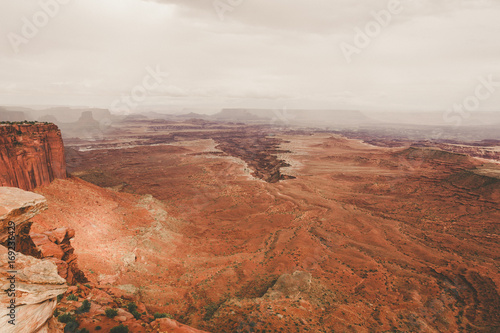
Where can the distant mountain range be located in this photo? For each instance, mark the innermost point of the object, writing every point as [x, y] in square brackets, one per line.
[328, 119]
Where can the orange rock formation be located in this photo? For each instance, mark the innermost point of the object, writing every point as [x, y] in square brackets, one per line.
[31, 155]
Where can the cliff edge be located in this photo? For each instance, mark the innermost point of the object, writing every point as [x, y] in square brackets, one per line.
[31, 155]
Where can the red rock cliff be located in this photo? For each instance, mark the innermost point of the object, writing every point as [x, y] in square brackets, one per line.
[31, 155]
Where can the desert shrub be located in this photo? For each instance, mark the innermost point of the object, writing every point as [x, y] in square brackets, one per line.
[111, 313]
[210, 310]
[60, 297]
[158, 315]
[85, 307]
[66, 318]
[56, 313]
[84, 330]
[72, 297]
[71, 327]
[119, 329]
[136, 314]
[98, 328]
[131, 307]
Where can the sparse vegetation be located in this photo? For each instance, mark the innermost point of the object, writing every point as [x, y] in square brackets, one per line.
[210, 310]
[24, 122]
[119, 329]
[136, 314]
[71, 327]
[158, 315]
[72, 297]
[66, 318]
[111, 313]
[85, 307]
[131, 307]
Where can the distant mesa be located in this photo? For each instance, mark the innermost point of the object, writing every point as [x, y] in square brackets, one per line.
[87, 117]
[193, 115]
[6, 115]
[236, 115]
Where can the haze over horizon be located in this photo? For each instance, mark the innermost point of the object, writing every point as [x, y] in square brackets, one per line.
[256, 54]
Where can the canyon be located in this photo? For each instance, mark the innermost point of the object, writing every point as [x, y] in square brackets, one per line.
[382, 239]
[228, 227]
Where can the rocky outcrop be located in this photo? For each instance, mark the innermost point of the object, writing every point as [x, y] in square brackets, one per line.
[170, 325]
[56, 246]
[290, 285]
[31, 155]
[32, 283]
[19, 207]
[37, 286]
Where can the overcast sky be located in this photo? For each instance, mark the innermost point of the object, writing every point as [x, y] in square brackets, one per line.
[251, 53]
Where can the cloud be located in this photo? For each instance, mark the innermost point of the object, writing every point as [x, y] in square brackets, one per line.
[275, 53]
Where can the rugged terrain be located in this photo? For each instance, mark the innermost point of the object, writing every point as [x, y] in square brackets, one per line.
[36, 269]
[31, 155]
[35, 284]
[364, 239]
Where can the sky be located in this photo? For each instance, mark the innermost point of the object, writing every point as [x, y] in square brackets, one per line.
[369, 55]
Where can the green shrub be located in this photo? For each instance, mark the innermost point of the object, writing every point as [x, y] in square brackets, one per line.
[84, 330]
[66, 318]
[158, 315]
[59, 297]
[119, 329]
[56, 313]
[71, 327]
[98, 328]
[136, 314]
[131, 307]
[72, 297]
[111, 313]
[85, 307]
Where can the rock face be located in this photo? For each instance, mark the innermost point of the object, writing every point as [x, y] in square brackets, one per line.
[40, 284]
[31, 155]
[56, 246]
[18, 206]
[36, 283]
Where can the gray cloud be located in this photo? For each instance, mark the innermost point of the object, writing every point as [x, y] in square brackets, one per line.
[265, 53]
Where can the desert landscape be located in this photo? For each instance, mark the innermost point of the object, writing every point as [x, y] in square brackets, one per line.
[228, 227]
[232, 166]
